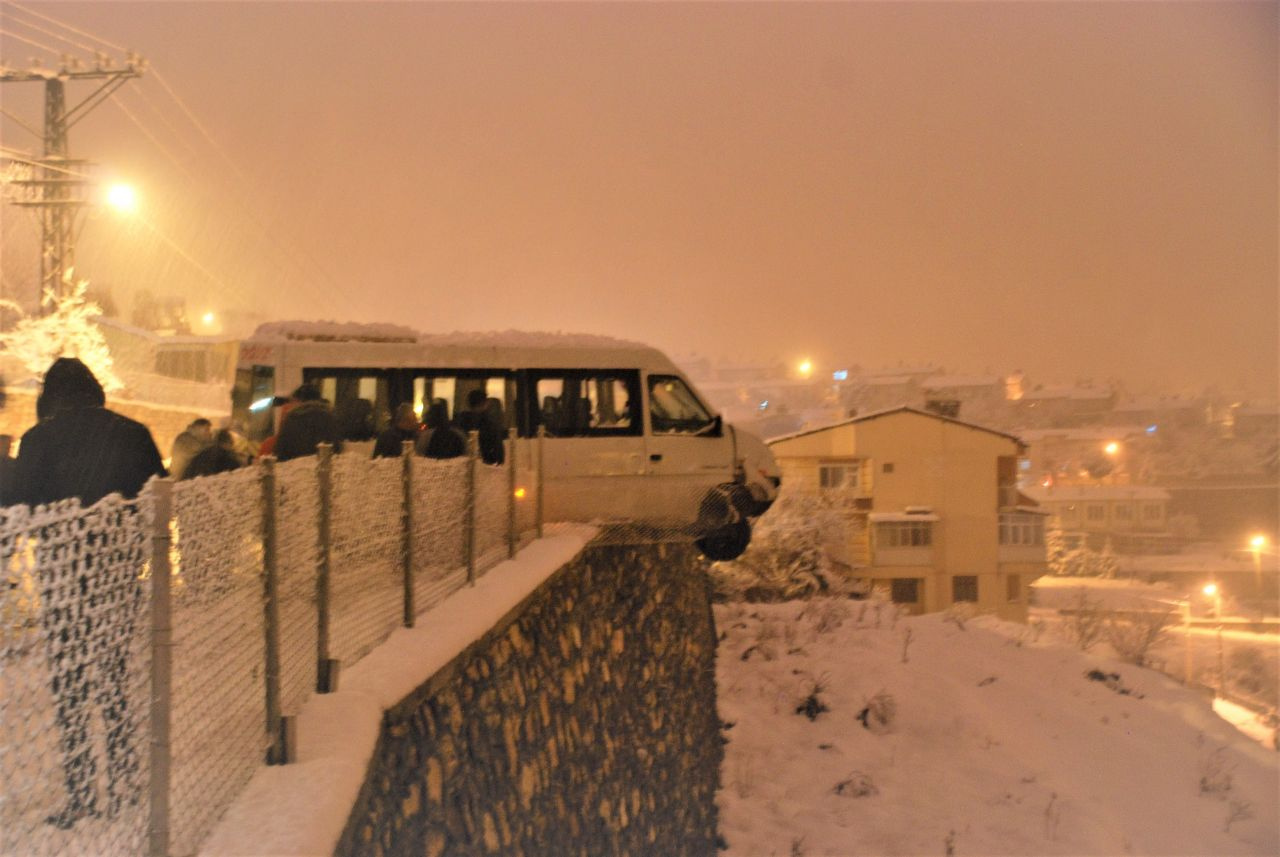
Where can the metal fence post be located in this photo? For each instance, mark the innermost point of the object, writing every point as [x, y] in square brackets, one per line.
[161, 667]
[542, 454]
[512, 532]
[406, 534]
[325, 679]
[473, 461]
[271, 611]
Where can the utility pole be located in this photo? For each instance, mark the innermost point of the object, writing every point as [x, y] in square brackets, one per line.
[57, 187]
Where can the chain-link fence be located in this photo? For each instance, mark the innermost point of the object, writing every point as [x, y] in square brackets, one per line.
[154, 652]
[75, 667]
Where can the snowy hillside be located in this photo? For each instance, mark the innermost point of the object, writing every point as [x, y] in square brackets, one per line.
[986, 740]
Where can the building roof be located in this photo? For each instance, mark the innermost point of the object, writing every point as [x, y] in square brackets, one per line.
[944, 382]
[1076, 493]
[895, 410]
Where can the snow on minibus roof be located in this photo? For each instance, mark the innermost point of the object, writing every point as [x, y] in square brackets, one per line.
[332, 331]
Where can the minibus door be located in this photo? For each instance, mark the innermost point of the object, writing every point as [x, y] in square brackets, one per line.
[688, 453]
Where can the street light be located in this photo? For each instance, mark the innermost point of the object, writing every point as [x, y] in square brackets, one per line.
[122, 198]
[1212, 590]
[1256, 544]
[1112, 448]
[806, 368]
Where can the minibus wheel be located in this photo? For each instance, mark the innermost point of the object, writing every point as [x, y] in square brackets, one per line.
[727, 542]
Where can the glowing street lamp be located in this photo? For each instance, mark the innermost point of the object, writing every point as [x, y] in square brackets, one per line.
[122, 198]
[1112, 448]
[1256, 544]
[806, 368]
[1212, 590]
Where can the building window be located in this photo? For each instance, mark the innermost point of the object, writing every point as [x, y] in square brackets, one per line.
[838, 474]
[888, 467]
[1095, 512]
[1021, 529]
[905, 590]
[1151, 512]
[1013, 588]
[904, 534]
[1124, 512]
[964, 587]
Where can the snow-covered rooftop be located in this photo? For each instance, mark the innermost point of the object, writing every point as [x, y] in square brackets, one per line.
[332, 331]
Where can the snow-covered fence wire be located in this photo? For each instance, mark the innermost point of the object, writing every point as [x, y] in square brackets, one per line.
[366, 578]
[135, 706]
[74, 679]
[217, 705]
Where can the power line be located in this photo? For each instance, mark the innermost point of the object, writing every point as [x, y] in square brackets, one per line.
[67, 26]
[39, 29]
[33, 43]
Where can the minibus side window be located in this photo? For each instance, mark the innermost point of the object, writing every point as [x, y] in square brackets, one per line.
[673, 409]
[587, 403]
[360, 400]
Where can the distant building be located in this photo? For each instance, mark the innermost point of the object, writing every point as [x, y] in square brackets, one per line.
[1134, 518]
[937, 516]
[1065, 406]
[1261, 420]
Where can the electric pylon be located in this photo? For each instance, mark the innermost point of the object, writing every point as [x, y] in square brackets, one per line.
[58, 186]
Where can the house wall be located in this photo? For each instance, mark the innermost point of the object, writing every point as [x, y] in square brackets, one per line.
[947, 466]
[583, 723]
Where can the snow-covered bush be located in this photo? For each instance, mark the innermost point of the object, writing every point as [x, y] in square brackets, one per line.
[1085, 623]
[879, 713]
[857, 784]
[789, 557]
[66, 330]
[1134, 635]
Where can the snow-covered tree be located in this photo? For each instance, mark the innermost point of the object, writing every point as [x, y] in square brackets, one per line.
[791, 552]
[66, 330]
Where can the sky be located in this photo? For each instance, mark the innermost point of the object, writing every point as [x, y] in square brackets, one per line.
[1074, 190]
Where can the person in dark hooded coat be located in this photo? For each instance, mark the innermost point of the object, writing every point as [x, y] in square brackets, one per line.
[88, 608]
[307, 425]
[79, 448]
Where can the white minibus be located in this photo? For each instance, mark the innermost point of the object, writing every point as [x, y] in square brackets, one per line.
[626, 437]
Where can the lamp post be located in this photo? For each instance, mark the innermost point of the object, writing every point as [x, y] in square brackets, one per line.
[1256, 544]
[1212, 590]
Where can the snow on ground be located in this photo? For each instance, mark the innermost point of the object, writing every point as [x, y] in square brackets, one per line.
[998, 743]
[302, 808]
[1109, 593]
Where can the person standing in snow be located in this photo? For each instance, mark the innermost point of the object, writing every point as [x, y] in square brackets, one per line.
[186, 445]
[215, 459]
[81, 450]
[479, 418]
[441, 440]
[309, 423]
[403, 427]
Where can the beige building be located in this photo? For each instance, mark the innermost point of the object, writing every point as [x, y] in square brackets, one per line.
[938, 518]
[1132, 517]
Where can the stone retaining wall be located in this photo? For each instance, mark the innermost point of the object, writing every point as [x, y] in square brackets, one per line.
[583, 723]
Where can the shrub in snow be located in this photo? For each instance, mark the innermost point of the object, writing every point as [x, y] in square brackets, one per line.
[1134, 635]
[906, 643]
[857, 784]
[825, 614]
[1248, 673]
[788, 557]
[1216, 775]
[879, 713]
[812, 705]
[67, 330]
[960, 613]
[1085, 622]
[1237, 810]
